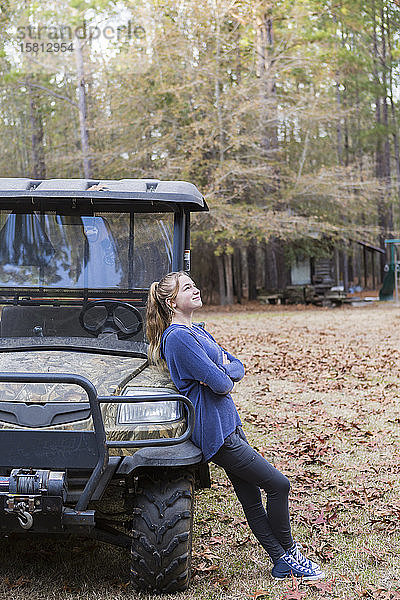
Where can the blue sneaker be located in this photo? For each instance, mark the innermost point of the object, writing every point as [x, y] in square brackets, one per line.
[295, 551]
[287, 566]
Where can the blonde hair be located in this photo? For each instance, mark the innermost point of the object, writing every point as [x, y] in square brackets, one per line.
[159, 313]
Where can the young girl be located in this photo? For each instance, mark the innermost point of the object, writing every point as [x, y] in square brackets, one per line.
[205, 373]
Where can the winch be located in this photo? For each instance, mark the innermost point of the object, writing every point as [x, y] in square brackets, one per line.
[28, 496]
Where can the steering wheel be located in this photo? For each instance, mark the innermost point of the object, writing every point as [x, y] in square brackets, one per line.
[111, 323]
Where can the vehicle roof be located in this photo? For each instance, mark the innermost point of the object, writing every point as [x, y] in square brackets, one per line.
[142, 190]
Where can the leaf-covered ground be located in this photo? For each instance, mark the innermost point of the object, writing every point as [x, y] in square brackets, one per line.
[321, 401]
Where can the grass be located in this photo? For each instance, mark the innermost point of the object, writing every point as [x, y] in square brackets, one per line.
[320, 401]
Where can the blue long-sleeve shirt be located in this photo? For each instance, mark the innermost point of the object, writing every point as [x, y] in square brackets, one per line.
[195, 362]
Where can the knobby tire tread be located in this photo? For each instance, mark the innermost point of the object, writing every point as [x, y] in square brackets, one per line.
[162, 533]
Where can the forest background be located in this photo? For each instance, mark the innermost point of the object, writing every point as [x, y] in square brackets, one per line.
[284, 114]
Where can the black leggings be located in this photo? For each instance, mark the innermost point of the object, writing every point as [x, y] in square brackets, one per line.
[248, 472]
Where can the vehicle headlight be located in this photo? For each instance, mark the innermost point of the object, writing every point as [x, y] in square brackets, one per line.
[147, 412]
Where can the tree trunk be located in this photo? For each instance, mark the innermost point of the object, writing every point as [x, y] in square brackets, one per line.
[373, 270]
[339, 133]
[252, 268]
[356, 265]
[337, 266]
[267, 95]
[82, 106]
[237, 274]
[345, 269]
[38, 160]
[217, 83]
[386, 145]
[282, 270]
[221, 279]
[238, 57]
[385, 118]
[365, 261]
[382, 155]
[228, 278]
[394, 124]
[273, 265]
[266, 277]
[245, 272]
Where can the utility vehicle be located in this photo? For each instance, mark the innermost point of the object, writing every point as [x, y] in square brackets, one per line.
[93, 440]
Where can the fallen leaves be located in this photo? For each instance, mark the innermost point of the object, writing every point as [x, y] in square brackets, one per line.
[374, 556]
[325, 589]
[337, 360]
[294, 595]
[17, 583]
[387, 519]
[204, 561]
[371, 593]
[204, 567]
[293, 590]
[259, 595]
[217, 540]
[313, 449]
[320, 402]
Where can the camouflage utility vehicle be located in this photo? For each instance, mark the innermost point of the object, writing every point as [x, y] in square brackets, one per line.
[93, 440]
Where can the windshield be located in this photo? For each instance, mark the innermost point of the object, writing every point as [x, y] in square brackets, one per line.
[120, 251]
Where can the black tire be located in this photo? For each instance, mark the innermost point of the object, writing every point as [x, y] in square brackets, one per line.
[162, 532]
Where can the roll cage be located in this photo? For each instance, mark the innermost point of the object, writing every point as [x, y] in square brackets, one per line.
[85, 198]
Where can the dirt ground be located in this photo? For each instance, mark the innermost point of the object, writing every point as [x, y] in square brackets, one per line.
[320, 400]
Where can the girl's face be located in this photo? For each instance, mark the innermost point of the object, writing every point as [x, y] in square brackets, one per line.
[188, 297]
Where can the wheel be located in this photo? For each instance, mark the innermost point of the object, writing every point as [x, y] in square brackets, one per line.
[162, 532]
[110, 322]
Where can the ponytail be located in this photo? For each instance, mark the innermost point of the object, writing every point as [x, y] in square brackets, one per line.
[159, 314]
